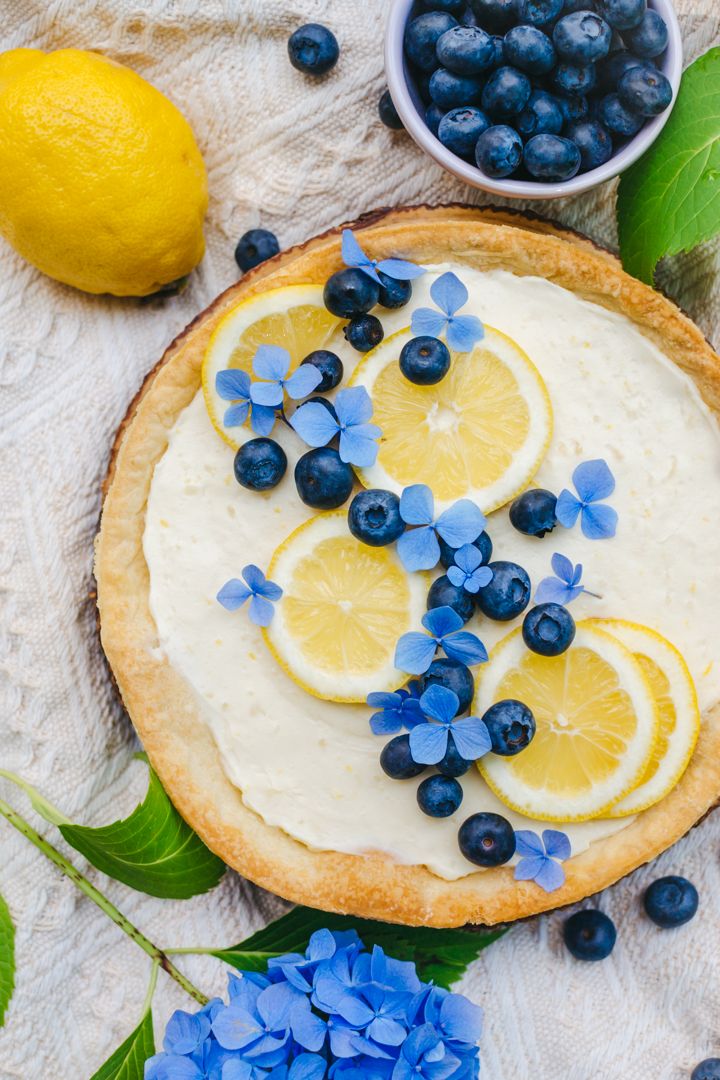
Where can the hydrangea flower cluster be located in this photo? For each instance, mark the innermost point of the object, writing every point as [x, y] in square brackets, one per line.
[336, 1010]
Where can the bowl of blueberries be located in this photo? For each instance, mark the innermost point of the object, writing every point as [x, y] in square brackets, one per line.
[533, 99]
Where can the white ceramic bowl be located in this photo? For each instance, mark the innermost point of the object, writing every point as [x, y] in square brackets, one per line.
[412, 112]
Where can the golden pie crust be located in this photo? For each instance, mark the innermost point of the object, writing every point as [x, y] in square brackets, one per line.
[163, 707]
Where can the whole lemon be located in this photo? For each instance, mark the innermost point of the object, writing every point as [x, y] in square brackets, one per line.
[102, 185]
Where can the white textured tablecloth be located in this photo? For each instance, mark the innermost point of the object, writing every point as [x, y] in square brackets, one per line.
[296, 156]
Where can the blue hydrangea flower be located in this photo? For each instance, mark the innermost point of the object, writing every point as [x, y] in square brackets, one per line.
[186, 1032]
[261, 593]
[461, 331]
[540, 858]
[272, 363]
[415, 651]
[565, 586]
[353, 255]
[467, 573]
[457, 1020]
[460, 524]
[423, 1057]
[358, 439]
[234, 385]
[397, 710]
[593, 482]
[429, 742]
[298, 968]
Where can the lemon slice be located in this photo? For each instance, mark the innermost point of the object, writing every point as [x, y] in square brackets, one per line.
[293, 317]
[674, 691]
[596, 725]
[344, 606]
[481, 433]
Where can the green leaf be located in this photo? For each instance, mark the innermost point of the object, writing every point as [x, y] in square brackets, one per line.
[7, 959]
[441, 955]
[128, 1061]
[153, 850]
[669, 200]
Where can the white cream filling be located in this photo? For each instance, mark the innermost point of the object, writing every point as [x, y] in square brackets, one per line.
[310, 767]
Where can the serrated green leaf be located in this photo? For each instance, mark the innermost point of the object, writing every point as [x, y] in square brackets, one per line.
[128, 1061]
[440, 955]
[669, 200]
[153, 850]
[7, 959]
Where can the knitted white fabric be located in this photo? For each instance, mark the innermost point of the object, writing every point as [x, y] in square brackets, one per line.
[296, 156]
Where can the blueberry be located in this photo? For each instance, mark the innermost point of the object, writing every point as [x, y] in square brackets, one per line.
[260, 464]
[319, 400]
[508, 594]
[393, 292]
[494, 15]
[453, 675]
[529, 49]
[582, 37]
[313, 49]
[611, 70]
[578, 5]
[548, 629]
[511, 726]
[254, 247]
[322, 479]
[487, 839]
[483, 544]
[364, 332]
[460, 130]
[439, 796]
[467, 17]
[533, 512]
[499, 151]
[645, 91]
[649, 38]
[396, 759]
[424, 360]
[450, 90]
[671, 901]
[466, 50]
[572, 108]
[622, 14]
[551, 157]
[589, 935]
[388, 113]
[574, 79]
[619, 121]
[421, 37]
[433, 116]
[330, 367]
[542, 114]
[498, 51]
[709, 1069]
[452, 764]
[444, 5]
[538, 12]
[374, 517]
[350, 292]
[444, 594]
[593, 142]
[422, 82]
[506, 93]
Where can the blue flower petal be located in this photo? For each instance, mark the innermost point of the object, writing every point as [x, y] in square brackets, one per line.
[386, 1031]
[593, 480]
[261, 611]
[577, 575]
[557, 844]
[464, 332]
[440, 703]
[467, 557]
[307, 1067]
[563, 568]
[553, 591]
[457, 576]
[353, 405]
[307, 1028]
[232, 384]
[185, 1032]
[234, 1069]
[461, 523]
[414, 653]
[271, 362]
[254, 576]
[460, 1019]
[529, 867]
[236, 414]
[233, 594]
[270, 590]
[428, 743]
[551, 876]
[418, 549]
[303, 381]
[598, 521]
[269, 394]
[388, 722]
[426, 322]
[528, 843]
[416, 505]
[262, 419]
[479, 579]
[567, 508]
[441, 621]
[353, 255]
[171, 1067]
[379, 699]
[465, 647]
[314, 424]
[471, 738]
[449, 293]
[358, 445]
[400, 269]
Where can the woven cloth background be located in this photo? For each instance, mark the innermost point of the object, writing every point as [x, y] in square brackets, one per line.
[296, 156]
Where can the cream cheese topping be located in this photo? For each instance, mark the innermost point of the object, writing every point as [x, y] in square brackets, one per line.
[310, 767]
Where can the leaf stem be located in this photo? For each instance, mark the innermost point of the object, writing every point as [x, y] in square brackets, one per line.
[151, 988]
[159, 957]
[44, 808]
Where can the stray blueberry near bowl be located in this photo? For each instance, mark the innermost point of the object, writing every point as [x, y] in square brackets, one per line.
[529, 49]
[538, 12]
[452, 764]
[439, 796]
[593, 142]
[617, 119]
[350, 292]
[364, 332]
[374, 517]
[487, 839]
[511, 726]
[508, 594]
[254, 247]
[421, 37]
[397, 761]
[645, 91]
[260, 464]
[671, 901]
[541, 115]
[433, 116]
[313, 49]
[453, 675]
[551, 157]
[443, 593]
[483, 544]
[506, 93]
[650, 37]
[499, 151]
[574, 79]
[589, 935]
[424, 360]
[494, 15]
[323, 481]
[450, 90]
[709, 1069]
[466, 50]
[460, 129]
[330, 367]
[388, 113]
[533, 512]
[393, 293]
[622, 14]
[582, 37]
[548, 629]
